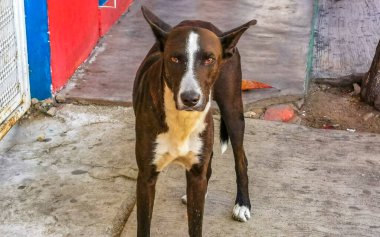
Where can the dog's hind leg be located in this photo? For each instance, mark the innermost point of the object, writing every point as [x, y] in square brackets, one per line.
[228, 95]
[233, 117]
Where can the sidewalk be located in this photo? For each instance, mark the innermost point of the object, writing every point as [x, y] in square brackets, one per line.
[303, 182]
[274, 51]
[79, 180]
[69, 175]
[74, 174]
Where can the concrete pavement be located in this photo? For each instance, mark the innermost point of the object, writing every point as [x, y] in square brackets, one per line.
[74, 175]
[303, 182]
[69, 175]
[274, 51]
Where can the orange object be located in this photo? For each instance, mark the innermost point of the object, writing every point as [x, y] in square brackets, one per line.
[283, 113]
[251, 85]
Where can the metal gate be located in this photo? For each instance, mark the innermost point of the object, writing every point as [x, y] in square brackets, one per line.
[14, 81]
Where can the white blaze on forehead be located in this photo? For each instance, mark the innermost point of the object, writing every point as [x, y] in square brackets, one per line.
[189, 81]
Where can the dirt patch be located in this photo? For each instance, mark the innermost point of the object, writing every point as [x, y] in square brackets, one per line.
[338, 108]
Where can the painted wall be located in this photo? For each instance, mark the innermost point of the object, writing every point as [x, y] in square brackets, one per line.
[74, 31]
[108, 16]
[38, 48]
[56, 51]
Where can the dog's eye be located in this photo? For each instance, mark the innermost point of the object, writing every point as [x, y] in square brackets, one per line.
[209, 61]
[174, 59]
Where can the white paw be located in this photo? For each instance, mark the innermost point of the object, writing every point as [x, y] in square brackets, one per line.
[241, 213]
[184, 198]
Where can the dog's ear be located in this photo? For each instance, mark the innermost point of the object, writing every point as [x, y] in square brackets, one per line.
[229, 39]
[160, 28]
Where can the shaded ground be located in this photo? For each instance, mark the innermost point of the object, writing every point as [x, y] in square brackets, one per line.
[338, 108]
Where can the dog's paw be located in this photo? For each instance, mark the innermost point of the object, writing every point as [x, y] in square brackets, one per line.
[241, 213]
[184, 198]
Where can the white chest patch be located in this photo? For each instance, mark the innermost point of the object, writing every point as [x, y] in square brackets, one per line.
[181, 144]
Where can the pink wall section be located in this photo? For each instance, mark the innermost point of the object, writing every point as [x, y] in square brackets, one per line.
[75, 27]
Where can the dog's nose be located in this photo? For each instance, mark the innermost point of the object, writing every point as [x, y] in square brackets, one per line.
[190, 98]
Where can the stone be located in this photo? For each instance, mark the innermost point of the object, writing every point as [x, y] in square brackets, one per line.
[357, 89]
[283, 113]
[60, 98]
[299, 103]
[49, 101]
[296, 120]
[52, 111]
[324, 87]
[42, 138]
[254, 113]
[34, 101]
[368, 116]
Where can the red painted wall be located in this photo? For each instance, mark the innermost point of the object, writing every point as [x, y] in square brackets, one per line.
[108, 16]
[74, 31]
[75, 27]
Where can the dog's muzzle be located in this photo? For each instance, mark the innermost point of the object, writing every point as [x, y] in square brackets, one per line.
[190, 100]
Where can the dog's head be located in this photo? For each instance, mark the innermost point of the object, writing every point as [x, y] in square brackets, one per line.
[192, 57]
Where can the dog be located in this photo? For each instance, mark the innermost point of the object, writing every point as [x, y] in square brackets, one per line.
[190, 65]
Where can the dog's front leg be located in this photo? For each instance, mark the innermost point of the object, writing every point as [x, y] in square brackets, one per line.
[196, 191]
[146, 183]
[146, 189]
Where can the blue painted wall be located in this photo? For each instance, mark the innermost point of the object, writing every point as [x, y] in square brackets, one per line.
[38, 48]
[101, 2]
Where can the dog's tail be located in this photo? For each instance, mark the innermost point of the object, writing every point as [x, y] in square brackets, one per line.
[223, 136]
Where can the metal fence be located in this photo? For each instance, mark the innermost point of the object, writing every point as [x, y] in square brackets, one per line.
[14, 81]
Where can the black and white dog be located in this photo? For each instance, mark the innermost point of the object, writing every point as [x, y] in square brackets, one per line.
[189, 65]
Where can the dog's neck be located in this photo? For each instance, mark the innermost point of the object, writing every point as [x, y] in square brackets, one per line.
[181, 143]
[183, 123]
